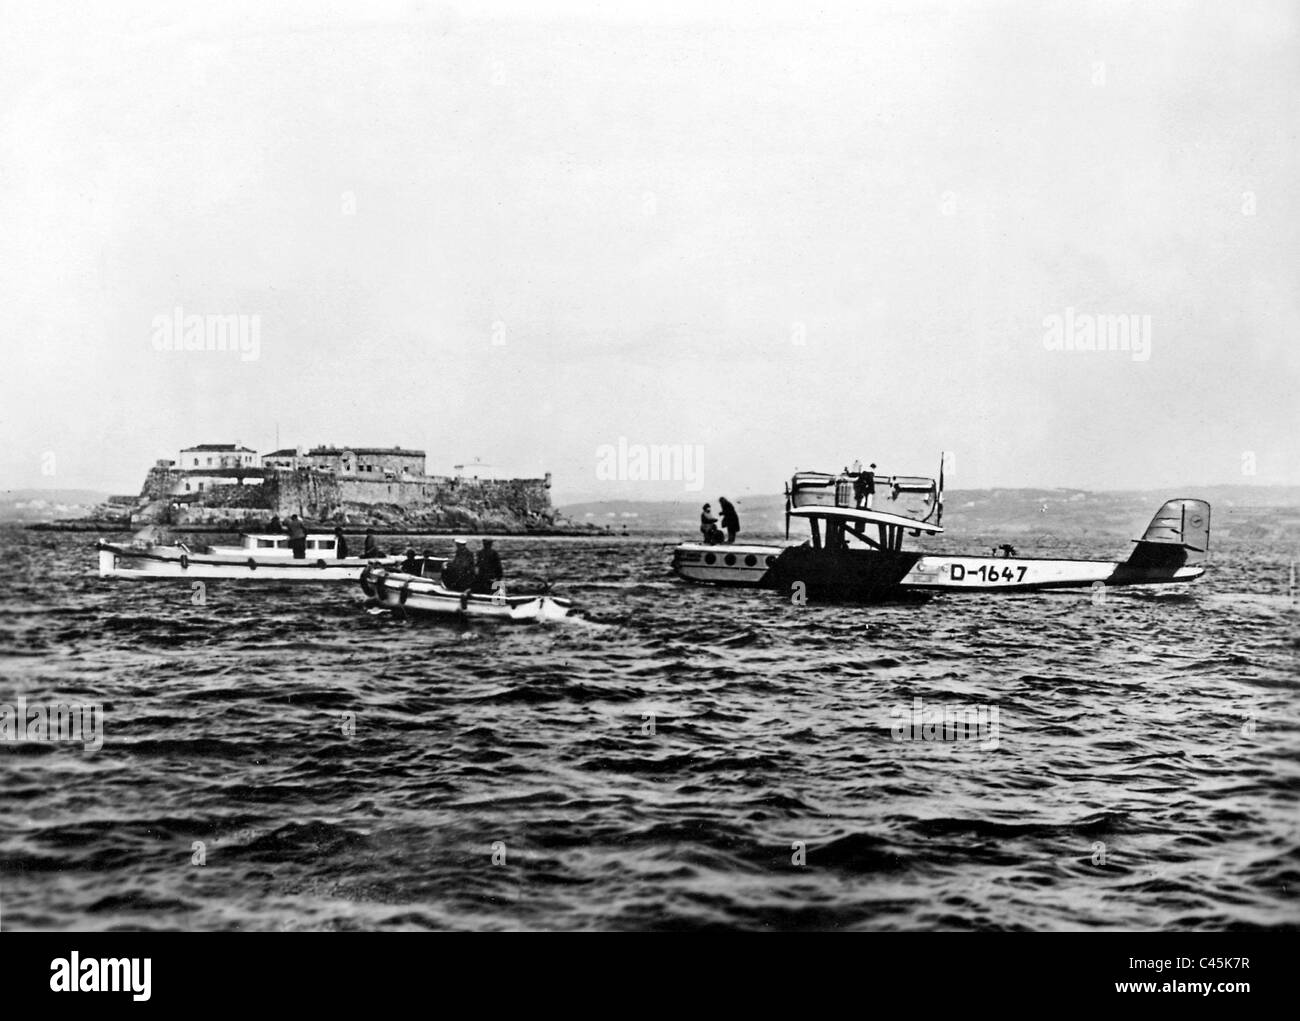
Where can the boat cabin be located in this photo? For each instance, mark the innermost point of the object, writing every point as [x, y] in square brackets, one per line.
[271, 544]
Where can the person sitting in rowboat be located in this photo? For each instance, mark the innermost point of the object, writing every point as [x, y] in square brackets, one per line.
[487, 569]
[458, 574]
[410, 565]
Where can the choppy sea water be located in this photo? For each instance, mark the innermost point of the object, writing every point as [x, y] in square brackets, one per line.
[685, 758]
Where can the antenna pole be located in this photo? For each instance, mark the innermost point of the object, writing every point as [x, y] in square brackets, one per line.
[943, 459]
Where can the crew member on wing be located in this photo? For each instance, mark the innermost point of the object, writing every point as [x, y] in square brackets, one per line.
[864, 487]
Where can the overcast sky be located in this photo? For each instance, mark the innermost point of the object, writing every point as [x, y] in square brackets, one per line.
[521, 232]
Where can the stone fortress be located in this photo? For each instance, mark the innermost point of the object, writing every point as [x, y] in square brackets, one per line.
[224, 485]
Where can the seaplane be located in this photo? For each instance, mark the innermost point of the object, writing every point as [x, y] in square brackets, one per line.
[259, 557]
[859, 521]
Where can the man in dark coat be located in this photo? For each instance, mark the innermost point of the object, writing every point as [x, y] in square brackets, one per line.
[297, 538]
[730, 522]
[864, 488]
[340, 545]
[458, 574]
[487, 569]
[371, 551]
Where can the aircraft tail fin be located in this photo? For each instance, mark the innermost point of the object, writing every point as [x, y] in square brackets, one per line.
[1179, 535]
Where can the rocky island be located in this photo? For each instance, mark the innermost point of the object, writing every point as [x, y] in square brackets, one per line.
[226, 487]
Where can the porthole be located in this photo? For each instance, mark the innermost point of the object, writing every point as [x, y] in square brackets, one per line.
[710, 558]
[771, 560]
[751, 560]
[729, 560]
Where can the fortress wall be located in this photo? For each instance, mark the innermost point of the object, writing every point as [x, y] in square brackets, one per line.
[309, 493]
[235, 496]
[521, 498]
[361, 491]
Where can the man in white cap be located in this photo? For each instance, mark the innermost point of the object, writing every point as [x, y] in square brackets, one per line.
[458, 574]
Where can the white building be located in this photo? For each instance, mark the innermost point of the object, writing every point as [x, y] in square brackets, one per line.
[217, 455]
[214, 464]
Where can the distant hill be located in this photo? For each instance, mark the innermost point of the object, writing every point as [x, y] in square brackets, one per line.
[27, 505]
[996, 515]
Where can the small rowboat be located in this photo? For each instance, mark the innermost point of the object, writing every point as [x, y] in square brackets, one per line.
[128, 561]
[409, 593]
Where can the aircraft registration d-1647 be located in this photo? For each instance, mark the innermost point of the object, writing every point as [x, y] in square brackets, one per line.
[855, 552]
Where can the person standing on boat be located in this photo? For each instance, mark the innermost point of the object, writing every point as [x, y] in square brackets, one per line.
[371, 551]
[297, 538]
[340, 544]
[487, 569]
[458, 574]
[730, 519]
[709, 526]
[275, 525]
